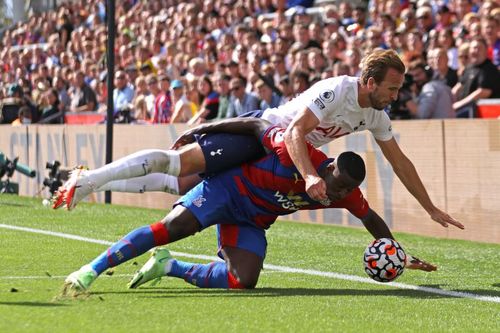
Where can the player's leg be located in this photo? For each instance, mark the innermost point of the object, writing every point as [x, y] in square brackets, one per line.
[223, 151]
[154, 182]
[242, 248]
[186, 161]
[178, 224]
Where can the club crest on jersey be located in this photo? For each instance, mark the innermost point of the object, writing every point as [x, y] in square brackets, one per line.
[216, 152]
[319, 103]
[327, 96]
[198, 202]
[272, 131]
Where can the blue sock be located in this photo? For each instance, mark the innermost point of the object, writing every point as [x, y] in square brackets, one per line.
[212, 275]
[132, 245]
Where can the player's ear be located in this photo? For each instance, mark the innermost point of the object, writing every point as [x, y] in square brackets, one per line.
[371, 84]
[331, 167]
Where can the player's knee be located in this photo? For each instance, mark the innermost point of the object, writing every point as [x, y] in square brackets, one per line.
[180, 223]
[248, 281]
[178, 230]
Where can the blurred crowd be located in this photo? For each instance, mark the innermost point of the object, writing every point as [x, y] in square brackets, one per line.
[201, 60]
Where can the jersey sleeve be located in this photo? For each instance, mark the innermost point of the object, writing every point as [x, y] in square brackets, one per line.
[382, 128]
[323, 99]
[355, 203]
[272, 139]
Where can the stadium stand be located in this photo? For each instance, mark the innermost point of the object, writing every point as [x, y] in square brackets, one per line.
[165, 40]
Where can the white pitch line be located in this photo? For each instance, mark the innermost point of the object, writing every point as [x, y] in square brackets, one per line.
[285, 269]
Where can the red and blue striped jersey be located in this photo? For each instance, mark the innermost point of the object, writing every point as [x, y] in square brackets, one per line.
[273, 186]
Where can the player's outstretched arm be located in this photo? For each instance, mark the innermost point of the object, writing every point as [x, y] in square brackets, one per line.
[406, 172]
[245, 126]
[376, 225]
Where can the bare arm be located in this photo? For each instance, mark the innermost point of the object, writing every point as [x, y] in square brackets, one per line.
[456, 89]
[244, 126]
[406, 172]
[295, 141]
[379, 229]
[474, 96]
[376, 226]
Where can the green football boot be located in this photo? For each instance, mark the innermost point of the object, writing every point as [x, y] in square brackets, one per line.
[80, 280]
[156, 267]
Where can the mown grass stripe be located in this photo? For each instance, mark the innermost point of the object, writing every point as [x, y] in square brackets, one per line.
[285, 269]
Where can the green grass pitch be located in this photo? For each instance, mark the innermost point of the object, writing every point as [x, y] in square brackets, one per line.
[33, 267]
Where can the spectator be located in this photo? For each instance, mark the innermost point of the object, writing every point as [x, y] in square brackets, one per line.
[139, 102]
[240, 102]
[52, 108]
[268, 98]
[445, 41]
[182, 110]
[82, 97]
[154, 90]
[222, 88]
[435, 100]
[438, 61]
[479, 80]
[425, 23]
[444, 18]
[210, 105]
[25, 116]
[280, 70]
[353, 61]
[463, 58]
[490, 30]
[316, 61]
[300, 81]
[11, 104]
[123, 94]
[285, 86]
[163, 102]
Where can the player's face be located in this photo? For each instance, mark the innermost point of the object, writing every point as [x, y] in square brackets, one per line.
[339, 185]
[387, 91]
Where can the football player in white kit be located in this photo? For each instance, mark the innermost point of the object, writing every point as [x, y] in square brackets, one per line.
[331, 108]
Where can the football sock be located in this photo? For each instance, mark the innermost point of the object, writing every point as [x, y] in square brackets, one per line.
[136, 165]
[132, 245]
[212, 275]
[154, 182]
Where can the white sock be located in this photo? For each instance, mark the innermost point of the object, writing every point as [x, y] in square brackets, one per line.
[154, 182]
[136, 165]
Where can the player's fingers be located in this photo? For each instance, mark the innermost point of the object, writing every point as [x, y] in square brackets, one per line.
[457, 224]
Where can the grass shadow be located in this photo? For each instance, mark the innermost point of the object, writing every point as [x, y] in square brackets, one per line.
[24, 303]
[14, 204]
[273, 292]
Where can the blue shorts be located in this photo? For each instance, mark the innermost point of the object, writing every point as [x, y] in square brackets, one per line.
[212, 204]
[224, 151]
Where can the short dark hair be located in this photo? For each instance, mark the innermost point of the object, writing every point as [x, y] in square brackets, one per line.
[352, 164]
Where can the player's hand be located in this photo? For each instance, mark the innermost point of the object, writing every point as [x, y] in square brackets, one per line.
[444, 219]
[316, 188]
[186, 138]
[415, 263]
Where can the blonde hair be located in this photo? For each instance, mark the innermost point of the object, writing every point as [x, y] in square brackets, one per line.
[377, 63]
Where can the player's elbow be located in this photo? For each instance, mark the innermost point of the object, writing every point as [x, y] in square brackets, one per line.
[292, 134]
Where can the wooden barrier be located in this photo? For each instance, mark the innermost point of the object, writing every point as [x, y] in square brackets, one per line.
[456, 159]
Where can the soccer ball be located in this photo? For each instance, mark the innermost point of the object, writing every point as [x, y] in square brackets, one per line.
[384, 260]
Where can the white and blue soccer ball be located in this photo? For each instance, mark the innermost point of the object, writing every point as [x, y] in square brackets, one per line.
[384, 260]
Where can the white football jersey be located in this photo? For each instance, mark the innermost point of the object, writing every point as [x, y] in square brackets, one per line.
[334, 101]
